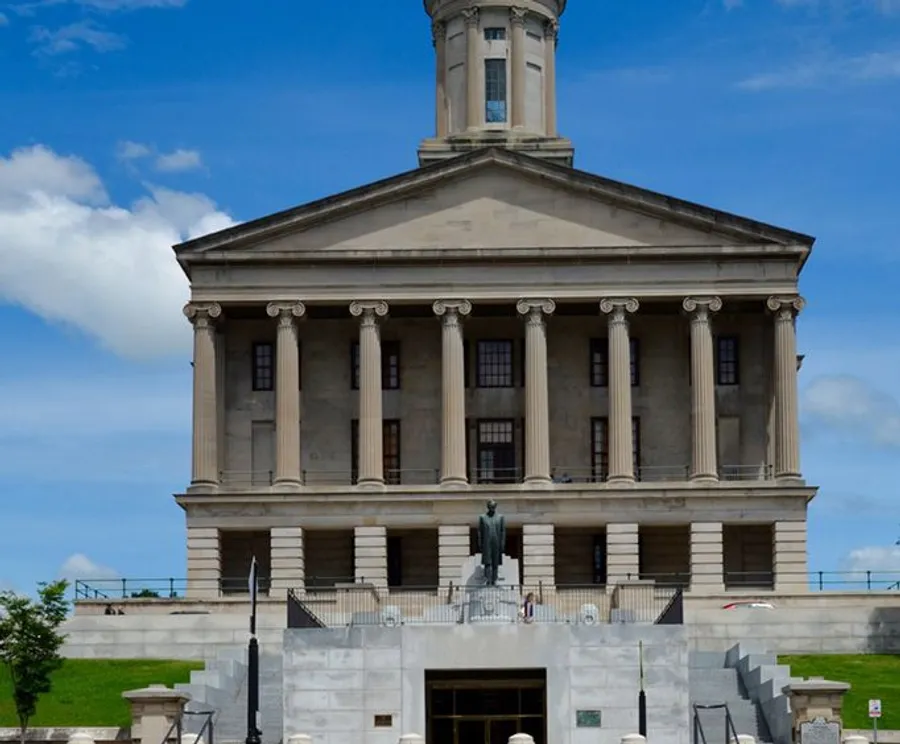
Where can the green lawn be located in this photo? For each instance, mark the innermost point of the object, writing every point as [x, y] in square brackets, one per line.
[88, 692]
[870, 676]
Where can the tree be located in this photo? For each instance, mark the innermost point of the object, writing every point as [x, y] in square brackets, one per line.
[30, 644]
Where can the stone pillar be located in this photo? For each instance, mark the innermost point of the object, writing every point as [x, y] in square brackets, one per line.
[154, 710]
[370, 555]
[706, 558]
[287, 395]
[439, 38]
[473, 42]
[288, 560]
[537, 406]
[703, 387]
[453, 550]
[204, 565]
[551, 34]
[204, 468]
[539, 556]
[789, 560]
[453, 376]
[622, 557]
[817, 703]
[787, 430]
[517, 65]
[621, 432]
[371, 458]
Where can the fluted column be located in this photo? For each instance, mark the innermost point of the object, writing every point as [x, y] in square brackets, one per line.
[439, 37]
[703, 389]
[621, 444]
[371, 447]
[787, 429]
[453, 425]
[204, 462]
[517, 65]
[473, 100]
[287, 393]
[537, 407]
[551, 34]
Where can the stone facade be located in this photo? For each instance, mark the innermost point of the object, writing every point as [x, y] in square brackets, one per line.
[617, 368]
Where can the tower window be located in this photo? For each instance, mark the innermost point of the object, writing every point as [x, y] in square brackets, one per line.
[495, 34]
[495, 91]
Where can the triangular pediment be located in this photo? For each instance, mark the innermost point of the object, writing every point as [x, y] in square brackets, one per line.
[490, 200]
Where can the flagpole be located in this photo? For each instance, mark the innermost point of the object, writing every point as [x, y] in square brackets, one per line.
[253, 732]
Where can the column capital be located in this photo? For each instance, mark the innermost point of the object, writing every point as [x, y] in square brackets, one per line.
[701, 307]
[517, 16]
[369, 311]
[786, 308]
[551, 29]
[448, 309]
[470, 15]
[534, 309]
[617, 308]
[438, 32]
[286, 312]
[202, 314]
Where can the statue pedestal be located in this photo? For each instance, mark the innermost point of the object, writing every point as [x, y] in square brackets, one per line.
[490, 604]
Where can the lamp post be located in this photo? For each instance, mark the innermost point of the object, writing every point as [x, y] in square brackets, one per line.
[642, 696]
[254, 735]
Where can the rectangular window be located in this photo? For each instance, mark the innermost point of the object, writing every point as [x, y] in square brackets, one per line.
[600, 559]
[395, 561]
[495, 34]
[390, 365]
[263, 366]
[496, 455]
[727, 361]
[599, 362]
[495, 91]
[390, 453]
[600, 447]
[494, 360]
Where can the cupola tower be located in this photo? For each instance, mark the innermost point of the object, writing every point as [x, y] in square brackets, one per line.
[496, 78]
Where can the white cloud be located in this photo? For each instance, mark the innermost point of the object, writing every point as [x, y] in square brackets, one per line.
[69, 255]
[850, 405]
[75, 36]
[873, 67]
[4, 21]
[179, 160]
[79, 566]
[874, 558]
[129, 150]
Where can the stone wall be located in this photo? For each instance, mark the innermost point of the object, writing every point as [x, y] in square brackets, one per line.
[335, 681]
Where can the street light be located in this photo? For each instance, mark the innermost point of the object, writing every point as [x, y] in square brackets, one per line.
[254, 735]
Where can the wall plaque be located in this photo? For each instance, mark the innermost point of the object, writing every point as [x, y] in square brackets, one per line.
[820, 731]
[589, 719]
[384, 720]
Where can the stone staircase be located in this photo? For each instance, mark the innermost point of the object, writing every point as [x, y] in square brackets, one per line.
[710, 683]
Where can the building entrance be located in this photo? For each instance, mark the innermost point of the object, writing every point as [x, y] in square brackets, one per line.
[485, 706]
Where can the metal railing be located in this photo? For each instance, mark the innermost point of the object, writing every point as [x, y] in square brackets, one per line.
[700, 734]
[162, 589]
[494, 476]
[205, 734]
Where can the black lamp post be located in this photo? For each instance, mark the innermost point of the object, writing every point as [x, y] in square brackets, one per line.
[642, 696]
[254, 735]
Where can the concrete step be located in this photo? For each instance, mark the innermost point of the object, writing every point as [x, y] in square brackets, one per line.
[706, 660]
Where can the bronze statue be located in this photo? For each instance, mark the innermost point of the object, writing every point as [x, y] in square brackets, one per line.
[491, 542]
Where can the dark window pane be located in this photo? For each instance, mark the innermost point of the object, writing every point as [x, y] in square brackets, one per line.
[495, 91]
[635, 354]
[496, 455]
[494, 34]
[599, 449]
[391, 452]
[263, 366]
[494, 360]
[599, 362]
[727, 361]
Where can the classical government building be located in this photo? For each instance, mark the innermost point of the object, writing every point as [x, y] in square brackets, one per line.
[615, 367]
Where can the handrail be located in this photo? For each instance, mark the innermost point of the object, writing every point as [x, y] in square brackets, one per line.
[177, 727]
[700, 734]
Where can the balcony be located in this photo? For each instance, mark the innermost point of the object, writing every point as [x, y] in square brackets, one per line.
[239, 480]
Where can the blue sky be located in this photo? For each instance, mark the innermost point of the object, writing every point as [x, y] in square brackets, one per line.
[128, 125]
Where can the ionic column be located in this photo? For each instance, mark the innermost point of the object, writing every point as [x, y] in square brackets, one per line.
[439, 38]
[453, 403]
[703, 389]
[621, 434]
[787, 434]
[551, 34]
[371, 459]
[473, 100]
[204, 463]
[287, 394]
[517, 65]
[537, 406]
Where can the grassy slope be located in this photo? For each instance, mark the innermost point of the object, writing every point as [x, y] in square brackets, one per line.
[88, 692]
[870, 676]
